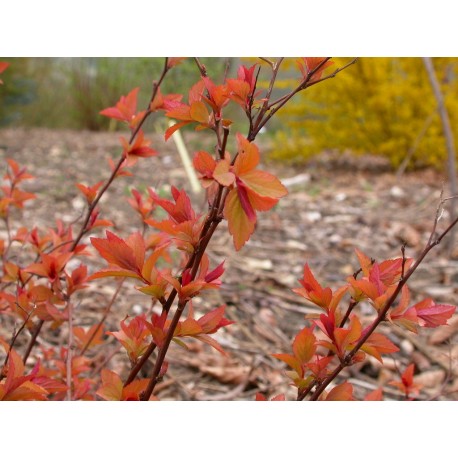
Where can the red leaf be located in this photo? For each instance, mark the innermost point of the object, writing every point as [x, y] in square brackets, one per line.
[314, 292]
[125, 109]
[432, 315]
[407, 385]
[3, 67]
[240, 225]
[214, 320]
[174, 61]
[90, 192]
[245, 202]
[140, 148]
[128, 255]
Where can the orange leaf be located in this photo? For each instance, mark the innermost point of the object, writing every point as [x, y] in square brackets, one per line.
[111, 389]
[240, 226]
[172, 129]
[239, 91]
[199, 112]
[140, 148]
[125, 109]
[222, 175]
[83, 336]
[204, 163]
[342, 392]
[214, 320]
[128, 255]
[304, 345]
[364, 261]
[248, 156]
[264, 184]
[376, 395]
[307, 65]
[407, 385]
[313, 291]
[174, 61]
[292, 362]
[377, 344]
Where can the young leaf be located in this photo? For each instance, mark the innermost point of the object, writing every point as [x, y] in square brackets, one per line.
[376, 395]
[407, 385]
[304, 345]
[126, 257]
[432, 315]
[342, 392]
[377, 344]
[240, 225]
[126, 109]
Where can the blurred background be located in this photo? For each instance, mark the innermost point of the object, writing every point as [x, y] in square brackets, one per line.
[380, 106]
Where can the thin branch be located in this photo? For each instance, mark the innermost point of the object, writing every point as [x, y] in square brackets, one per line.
[278, 104]
[104, 317]
[264, 59]
[162, 352]
[102, 191]
[33, 339]
[69, 350]
[13, 340]
[214, 217]
[346, 361]
[265, 105]
[202, 69]
[91, 208]
[449, 140]
[299, 88]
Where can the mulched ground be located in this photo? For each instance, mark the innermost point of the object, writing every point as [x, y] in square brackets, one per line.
[335, 204]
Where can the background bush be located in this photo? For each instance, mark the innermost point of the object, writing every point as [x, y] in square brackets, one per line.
[383, 106]
[70, 92]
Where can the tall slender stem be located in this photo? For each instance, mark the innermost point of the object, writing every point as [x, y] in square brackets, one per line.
[346, 361]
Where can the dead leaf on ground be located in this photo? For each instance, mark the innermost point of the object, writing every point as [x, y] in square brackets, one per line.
[430, 379]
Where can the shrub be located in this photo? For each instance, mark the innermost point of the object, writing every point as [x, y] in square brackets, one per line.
[45, 271]
[382, 106]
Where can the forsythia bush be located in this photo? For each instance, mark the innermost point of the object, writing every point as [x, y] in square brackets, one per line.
[166, 260]
[383, 106]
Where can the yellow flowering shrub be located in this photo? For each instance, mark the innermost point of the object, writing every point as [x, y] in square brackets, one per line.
[383, 106]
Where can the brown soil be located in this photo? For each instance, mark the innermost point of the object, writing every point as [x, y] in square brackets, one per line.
[333, 207]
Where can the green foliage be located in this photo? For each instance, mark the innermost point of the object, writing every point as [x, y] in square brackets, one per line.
[70, 92]
[19, 90]
[383, 106]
